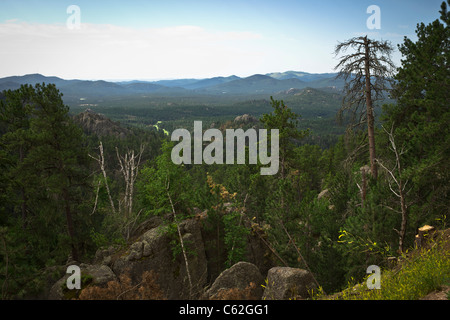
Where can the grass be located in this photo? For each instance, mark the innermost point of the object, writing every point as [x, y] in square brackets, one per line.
[419, 273]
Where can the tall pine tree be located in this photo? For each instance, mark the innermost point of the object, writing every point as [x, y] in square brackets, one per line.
[421, 116]
[58, 154]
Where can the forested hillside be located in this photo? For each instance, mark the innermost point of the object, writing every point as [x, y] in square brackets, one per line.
[347, 195]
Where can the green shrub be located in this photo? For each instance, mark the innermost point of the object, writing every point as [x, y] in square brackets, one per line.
[419, 273]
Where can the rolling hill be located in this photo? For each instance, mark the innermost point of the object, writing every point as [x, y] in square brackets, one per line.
[258, 84]
[205, 83]
[304, 76]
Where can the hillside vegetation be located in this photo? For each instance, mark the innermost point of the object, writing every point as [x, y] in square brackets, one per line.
[98, 187]
[421, 273]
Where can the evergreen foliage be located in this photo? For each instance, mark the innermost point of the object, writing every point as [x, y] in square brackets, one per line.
[323, 211]
[45, 181]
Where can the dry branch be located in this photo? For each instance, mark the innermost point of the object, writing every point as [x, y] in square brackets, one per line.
[101, 162]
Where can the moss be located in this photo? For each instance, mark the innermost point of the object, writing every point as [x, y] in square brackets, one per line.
[70, 294]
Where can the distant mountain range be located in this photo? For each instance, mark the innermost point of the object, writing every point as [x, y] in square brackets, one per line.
[256, 84]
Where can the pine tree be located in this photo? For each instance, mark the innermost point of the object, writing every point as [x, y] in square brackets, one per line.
[15, 112]
[58, 154]
[286, 121]
[421, 116]
[43, 184]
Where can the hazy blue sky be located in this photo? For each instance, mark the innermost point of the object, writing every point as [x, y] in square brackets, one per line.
[192, 39]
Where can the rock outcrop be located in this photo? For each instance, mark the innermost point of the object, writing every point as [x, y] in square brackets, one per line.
[152, 249]
[98, 275]
[241, 276]
[245, 118]
[288, 283]
[97, 124]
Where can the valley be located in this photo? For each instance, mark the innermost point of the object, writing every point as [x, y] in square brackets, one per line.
[215, 101]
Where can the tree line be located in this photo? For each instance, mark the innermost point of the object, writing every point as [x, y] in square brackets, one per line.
[334, 211]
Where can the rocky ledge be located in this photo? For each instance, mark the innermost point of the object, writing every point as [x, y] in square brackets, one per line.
[257, 278]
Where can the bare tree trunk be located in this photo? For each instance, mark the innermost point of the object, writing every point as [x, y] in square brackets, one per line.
[124, 168]
[96, 198]
[364, 187]
[129, 166]
[186, 262]
[101, 162]
[369, 106]
[400, 193]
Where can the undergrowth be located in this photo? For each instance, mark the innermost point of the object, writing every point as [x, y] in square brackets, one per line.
[122, 289]
[419, 273]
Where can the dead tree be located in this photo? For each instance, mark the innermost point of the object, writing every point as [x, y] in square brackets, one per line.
[180, 237]
[101, 163]
[367, 72]
[129, 167]
[395, 176]
[363, 187]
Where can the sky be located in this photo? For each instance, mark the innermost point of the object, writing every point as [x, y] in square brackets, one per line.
[173, 39]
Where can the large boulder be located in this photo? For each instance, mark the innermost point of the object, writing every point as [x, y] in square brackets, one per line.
[154, 251]
[104, 255]
[94, 274]
[243, 279]
[255, 249]
[288, 283]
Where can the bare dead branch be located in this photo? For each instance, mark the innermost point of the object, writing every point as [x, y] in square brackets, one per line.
[96, 197]
[400, 185]
[129, 167]
[186, 262]
[101, 162]
[298, 252]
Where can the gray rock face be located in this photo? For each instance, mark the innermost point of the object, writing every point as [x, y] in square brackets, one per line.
[94, 123]
[288, 283]
[153, 251]
[239, 276]
[245, 118]
[103, 255]
[100, 274]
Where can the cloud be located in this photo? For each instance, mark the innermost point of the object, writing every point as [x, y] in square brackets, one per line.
[113, 52]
